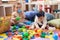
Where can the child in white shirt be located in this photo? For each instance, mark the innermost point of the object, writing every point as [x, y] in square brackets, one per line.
[40, 21]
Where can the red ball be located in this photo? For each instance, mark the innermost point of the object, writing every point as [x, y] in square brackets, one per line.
[37, 35]
[59, 34]
[20, 38]
[27, 27]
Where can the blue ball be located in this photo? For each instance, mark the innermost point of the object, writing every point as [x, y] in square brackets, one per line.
[55, 36]
[32, 37]
[17, 27]
[28, 22]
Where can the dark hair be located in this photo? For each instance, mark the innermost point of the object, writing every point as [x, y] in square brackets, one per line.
[18, 3]
[40, 14]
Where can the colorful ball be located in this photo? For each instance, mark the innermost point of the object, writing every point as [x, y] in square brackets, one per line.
[37, 35]
[26, 34]
[43, 34]
[25, 39]
[17, 18]
[20, 29]
[13, 27]
[46, 36]
[23, 27]
[55, 36]
[59, 34]
[27, 27]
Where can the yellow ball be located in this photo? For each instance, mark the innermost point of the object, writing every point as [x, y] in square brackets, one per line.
[46, 36]
[2, 18]
[24, 30]
[51, 39]
[39, 31]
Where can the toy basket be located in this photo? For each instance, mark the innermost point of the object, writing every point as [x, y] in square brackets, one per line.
[4, 24]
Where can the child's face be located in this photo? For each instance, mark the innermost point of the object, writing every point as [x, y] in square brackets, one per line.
[41, 18]
[17, 7]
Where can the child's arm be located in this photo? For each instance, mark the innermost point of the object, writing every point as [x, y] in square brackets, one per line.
[44, 23]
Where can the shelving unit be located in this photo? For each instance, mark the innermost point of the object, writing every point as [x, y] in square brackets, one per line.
[6, 10]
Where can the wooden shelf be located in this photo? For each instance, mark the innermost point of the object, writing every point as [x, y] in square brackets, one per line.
[6, 10]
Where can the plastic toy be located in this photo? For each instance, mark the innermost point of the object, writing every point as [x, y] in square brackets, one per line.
[32, 37]
[43, 34]
[46, 36]
[37, 35]
[28, 22]
[24, 30]
[27, 27]
[20, 30]
[51, 37]
[23, 27]
[9, 34]
[26, 34]
[55, 36]
[25, 39]
[17, 18]
[14, 27]
[59, 34]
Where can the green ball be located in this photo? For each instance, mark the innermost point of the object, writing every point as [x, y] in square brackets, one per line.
[50, 33]
[43, 34]
[23, 27]
[14, 28]
[26, 34]
[20, 30]
[17, 18]
[25, 39]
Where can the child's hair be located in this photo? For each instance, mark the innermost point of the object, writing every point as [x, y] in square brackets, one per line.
[40, 14]
[18, 3]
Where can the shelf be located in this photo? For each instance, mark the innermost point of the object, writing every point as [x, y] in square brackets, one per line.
[6, 10]
[1, 11]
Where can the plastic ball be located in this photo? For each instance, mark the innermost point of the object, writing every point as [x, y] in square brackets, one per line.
[32, 37]
[27, 23]
[55, 36]
[20, 29]
[46, 36]
[24, 30]
[39, 31]
[37, 35]
[35, 30]
[43, 34]
[59, 34]
[26, 34]
[25, 39]
[17, 18]
[27, 27]
[14, 27]
[23, 27]
[50, 33]
[17, 27]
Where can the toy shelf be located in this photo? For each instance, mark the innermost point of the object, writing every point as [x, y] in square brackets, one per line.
[6, 10]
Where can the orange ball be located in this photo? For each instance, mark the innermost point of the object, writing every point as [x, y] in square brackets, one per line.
[35, 30]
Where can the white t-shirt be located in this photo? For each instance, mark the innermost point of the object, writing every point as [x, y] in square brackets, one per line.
[36, 22]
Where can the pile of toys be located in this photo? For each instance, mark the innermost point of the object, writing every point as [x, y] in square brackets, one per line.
[24, 33]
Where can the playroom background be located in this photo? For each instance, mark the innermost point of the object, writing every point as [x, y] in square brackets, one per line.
[23, 31]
